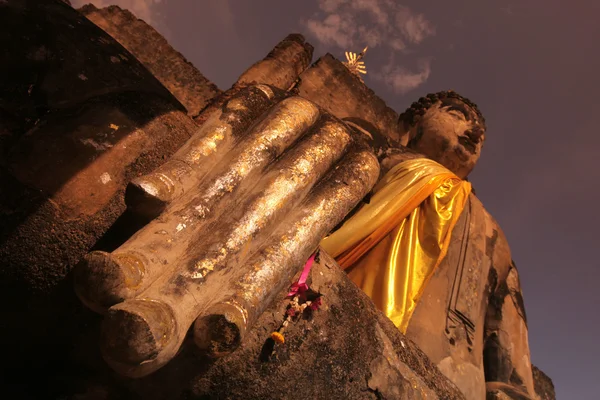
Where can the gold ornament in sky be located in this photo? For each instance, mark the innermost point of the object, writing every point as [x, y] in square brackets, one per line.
[354, 63]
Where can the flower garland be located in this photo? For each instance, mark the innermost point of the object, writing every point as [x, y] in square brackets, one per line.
[303, 299]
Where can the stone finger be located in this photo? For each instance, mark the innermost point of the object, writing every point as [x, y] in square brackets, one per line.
[103, 279]
[148, 195]
[205, 275]
[221, 329]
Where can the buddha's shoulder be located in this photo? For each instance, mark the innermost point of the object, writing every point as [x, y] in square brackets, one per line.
[393, 156]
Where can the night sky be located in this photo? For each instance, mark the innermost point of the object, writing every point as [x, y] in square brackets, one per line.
[531, 66]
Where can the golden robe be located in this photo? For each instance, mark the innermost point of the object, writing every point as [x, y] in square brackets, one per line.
[392, 246]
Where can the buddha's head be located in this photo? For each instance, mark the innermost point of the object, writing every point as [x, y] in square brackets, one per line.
[446, 128]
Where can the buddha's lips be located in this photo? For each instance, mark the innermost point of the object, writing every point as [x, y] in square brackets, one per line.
[468, 144]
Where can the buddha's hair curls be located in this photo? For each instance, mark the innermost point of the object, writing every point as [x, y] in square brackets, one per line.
[417, 109]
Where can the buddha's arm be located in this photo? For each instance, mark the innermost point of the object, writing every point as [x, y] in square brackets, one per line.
[506, 346]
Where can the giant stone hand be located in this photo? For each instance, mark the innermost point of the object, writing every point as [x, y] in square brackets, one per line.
[237, 212]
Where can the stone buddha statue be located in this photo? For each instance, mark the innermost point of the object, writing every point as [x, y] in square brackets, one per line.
[437, 264]
[223, 211]
[422, 247]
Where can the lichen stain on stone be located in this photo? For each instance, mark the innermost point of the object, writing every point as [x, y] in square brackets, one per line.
[105, 178]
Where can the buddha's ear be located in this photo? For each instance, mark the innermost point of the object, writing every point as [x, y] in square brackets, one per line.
[409, 132]
[414, 134]
[403, 129]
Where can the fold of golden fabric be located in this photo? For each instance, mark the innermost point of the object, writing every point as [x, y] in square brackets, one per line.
[392, 245]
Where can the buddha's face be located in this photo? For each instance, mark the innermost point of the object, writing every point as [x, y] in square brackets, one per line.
[450, 133]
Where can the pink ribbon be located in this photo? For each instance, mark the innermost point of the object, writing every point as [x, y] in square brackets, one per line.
[301, 286]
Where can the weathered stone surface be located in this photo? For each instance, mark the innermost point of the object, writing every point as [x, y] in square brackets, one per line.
[320, 357]
[81, 117]
[331, 85]
[280, 69]
[81, 131]
[504, 391]
[169, 66]
[544, 387]
[53, 58]
[282, 66]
